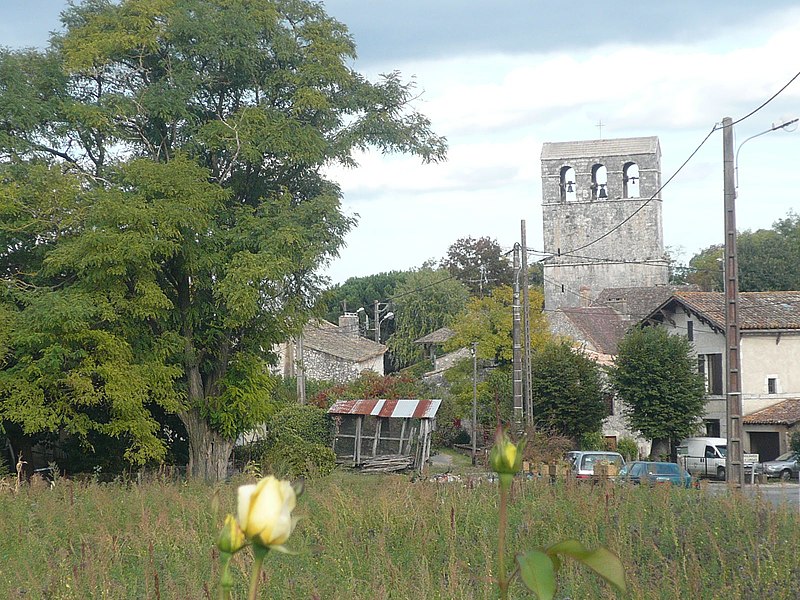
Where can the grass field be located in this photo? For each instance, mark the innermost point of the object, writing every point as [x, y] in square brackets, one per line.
[373, 537]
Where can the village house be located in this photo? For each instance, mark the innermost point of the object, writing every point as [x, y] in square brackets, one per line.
[770, 361]
[330, 352]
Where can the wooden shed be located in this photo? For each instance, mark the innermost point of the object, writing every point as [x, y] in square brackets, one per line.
[383, 435]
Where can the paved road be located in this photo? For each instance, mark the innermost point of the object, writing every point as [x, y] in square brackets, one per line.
[787, 494]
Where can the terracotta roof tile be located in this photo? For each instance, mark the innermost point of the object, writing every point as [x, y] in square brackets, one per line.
[440, 336]
[757, 310]
[782, 413]
[601, 326]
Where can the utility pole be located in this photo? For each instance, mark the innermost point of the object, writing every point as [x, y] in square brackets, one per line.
[474, 403]
[526, 330]
[301, 371]
[517, 346]
[734, 461]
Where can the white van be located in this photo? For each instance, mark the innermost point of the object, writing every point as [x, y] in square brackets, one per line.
[704, 456]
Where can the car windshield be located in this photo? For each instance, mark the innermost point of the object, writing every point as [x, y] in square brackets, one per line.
[723, 450]
[666, 469]
[589, 460]
[787, 456]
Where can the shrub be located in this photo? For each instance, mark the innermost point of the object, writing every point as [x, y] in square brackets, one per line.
[292, 456]
[307, 422]
[545, 446]
[593, 440]
[794, 441]
[628, 447]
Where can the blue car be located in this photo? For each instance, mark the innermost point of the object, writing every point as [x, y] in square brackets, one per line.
[651, 473]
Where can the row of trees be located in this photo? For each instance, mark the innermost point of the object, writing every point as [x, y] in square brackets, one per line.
[769, 259]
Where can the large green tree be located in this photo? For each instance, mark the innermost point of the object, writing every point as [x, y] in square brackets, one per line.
[567, 390]
[479, 264]
[427, 300]
[164, 211]
[655, 374]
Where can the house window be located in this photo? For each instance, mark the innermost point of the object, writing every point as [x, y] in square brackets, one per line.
[609, 400]
[712, 427]
[710, 366]
[772, 385]
[690, 330]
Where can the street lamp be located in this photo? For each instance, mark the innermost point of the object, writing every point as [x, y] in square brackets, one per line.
[774, 127]
[380, 307]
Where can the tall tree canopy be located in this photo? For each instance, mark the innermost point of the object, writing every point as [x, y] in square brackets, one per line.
[479, 264]
[769, 259]
[655, 374]
[164, 210]
[567, 390]
[427, 300]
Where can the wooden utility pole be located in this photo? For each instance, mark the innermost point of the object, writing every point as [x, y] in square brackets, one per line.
[517, 335]
[474, 403]
[734, 461]
[526, 330]
[301, 370]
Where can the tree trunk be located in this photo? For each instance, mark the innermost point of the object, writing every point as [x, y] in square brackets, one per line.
[209, 452]
[660, 449]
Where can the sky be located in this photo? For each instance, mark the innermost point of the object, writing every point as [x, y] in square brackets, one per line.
[498, 79]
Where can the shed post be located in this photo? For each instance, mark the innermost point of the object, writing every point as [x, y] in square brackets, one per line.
[402, 433]
[377, 435]
[357, 443]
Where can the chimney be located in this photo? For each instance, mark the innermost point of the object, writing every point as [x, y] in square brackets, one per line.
[348, 324]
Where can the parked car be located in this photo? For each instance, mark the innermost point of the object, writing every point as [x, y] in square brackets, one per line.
[583, 462]
[786, 466]
[704, 456]
[651, 473]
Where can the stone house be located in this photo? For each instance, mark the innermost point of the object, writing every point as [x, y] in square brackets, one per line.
[770, 361]
[331, 352]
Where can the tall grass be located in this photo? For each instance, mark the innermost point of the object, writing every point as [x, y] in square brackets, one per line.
[373, 537]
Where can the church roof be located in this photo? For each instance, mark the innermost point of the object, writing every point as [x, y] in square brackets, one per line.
[610, 147]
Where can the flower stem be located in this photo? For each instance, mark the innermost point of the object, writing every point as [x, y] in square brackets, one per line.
[225, 580]
[259, 552]
[502, 580]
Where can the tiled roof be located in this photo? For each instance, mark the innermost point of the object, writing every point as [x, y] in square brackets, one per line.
[636, 302]
[440, 336]
[600, 325]
[782, 413]
[611, 147]
[326, 337]
[757, 310]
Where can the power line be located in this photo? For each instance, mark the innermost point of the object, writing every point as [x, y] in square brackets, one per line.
[419, 289]
[646, 202]
[770, 99]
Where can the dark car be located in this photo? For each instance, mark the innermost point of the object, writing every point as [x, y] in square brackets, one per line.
[651, 473]
[785, 466]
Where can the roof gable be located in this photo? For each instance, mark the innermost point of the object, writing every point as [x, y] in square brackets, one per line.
[757, 310]
[328, 338]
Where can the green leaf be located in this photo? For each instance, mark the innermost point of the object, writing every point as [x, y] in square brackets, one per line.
[600, 560]
[538, 573]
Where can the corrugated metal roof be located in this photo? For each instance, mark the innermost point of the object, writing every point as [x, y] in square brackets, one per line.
[590, 148]
[404, 408]
[782, 413]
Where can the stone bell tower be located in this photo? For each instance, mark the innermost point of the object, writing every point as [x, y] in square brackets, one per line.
[601, 209]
